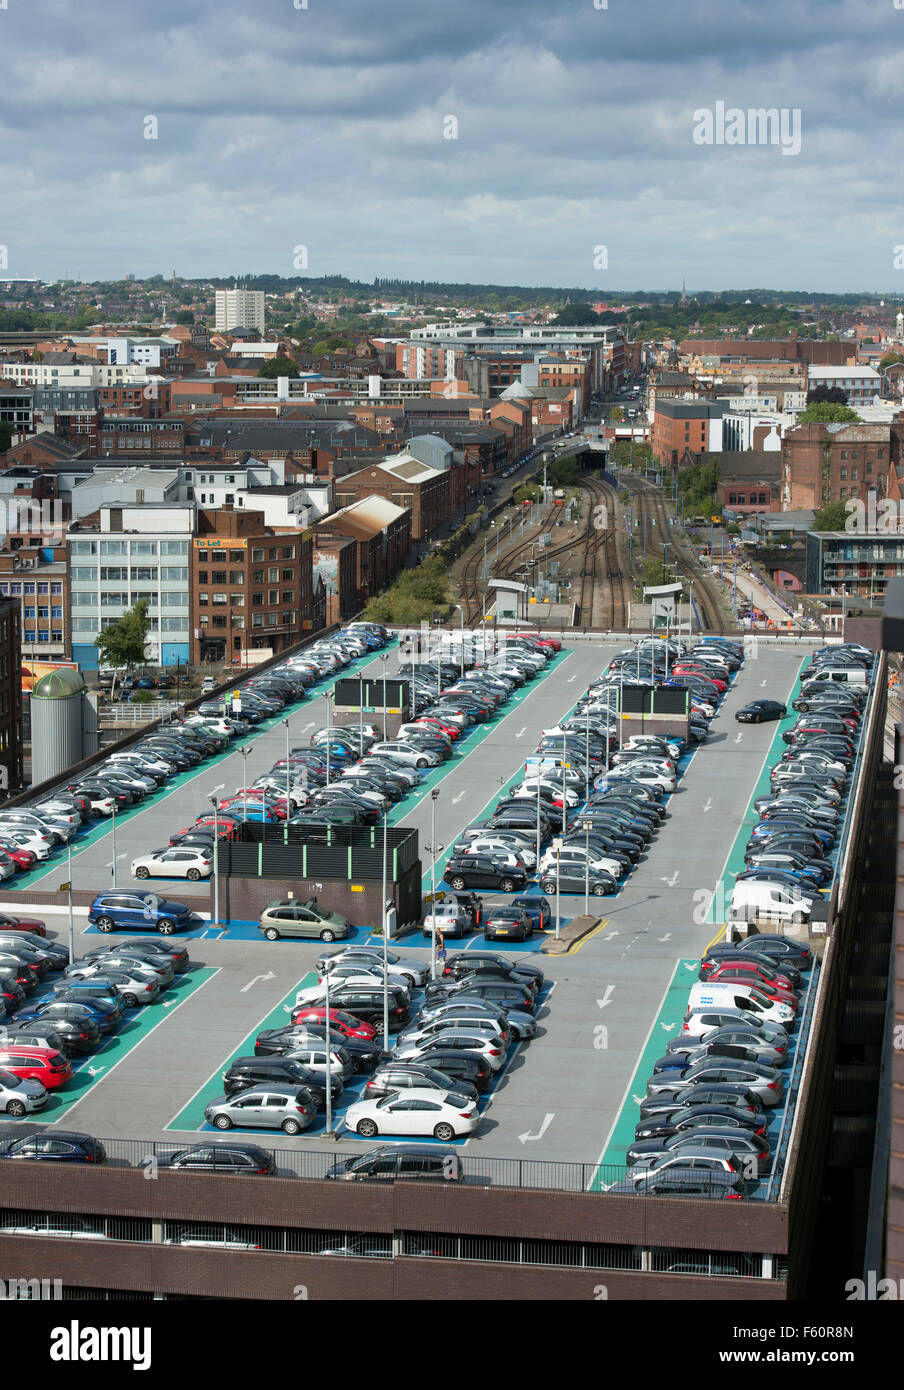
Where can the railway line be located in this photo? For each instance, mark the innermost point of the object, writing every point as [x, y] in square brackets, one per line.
[707, 596]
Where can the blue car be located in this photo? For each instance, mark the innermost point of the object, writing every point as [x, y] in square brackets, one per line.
[106, 1020]
[538, 910]
[125, 911]
[774, 827]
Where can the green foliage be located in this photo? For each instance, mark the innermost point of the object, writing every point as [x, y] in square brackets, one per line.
[831, 518]
[123, 642]
[142, 697]
[698, 485]
[417, 595]
[889, 359]
[185, 317]
[527, 492]
[616, 415]
[631, 454]
[560, 472]
[278, 366]
[654, 572]
[828, 413]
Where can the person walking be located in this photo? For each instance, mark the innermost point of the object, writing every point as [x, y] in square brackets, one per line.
[440, 945]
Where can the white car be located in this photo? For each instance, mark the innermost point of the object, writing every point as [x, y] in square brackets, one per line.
[522, 855]
[176, 862]
[404, 752]
[575, 856]
[416, 1111]
[485, 1041]
[26, 839]
[448, 918]
[369, 957]
[357, 970]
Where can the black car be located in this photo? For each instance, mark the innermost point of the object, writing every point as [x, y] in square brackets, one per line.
[461, 1067]
[468, 959]
[240, 1160]
[479, 871]
[685, 1119]
[367, 1004]
[399, 1076]
[488, 969]
[71, 1036]
[57, 1145]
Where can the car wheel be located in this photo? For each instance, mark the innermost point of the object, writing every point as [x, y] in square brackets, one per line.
[271, 934]
[550, 886]
[223, 1122]
[16, 1107]
[194, 875]
[507, 885]
[291, 1127]
[445, 1132]
[327, 935]
[142, 872]
[367, 1129]
[515, 1035]
[458, 883]
[422, 762]
[165, 926]
[599, 890]
[129, 1001]
[105, 924]
[797, 918]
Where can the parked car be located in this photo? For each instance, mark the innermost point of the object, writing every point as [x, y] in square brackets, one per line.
[291, 919]
[418, 1111]
[289, 1108]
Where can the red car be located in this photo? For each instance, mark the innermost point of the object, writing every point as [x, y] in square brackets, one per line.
[42, 1064]
[22, 858]
[720, 685]
[346, 1024]
[430, 721]
[712, 963]
[727, 974]
[32, 924]
[228, 829]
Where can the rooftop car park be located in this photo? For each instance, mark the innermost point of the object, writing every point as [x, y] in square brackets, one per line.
[608, 1007]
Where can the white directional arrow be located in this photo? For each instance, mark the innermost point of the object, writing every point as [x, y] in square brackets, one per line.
[762, 683]
[168, 1003]
[667, 937]
[601, 1003]
[308, 726]
[94, 1070]
[689, 965]
[708, 803]
[547, 1121]
[269, 976]
[521, 732]
[459, 797]
[738, 738]
[672, 879]
[609, 935]
[571, 678]
[287, 1008]
[669, 1027]
[638, 1100]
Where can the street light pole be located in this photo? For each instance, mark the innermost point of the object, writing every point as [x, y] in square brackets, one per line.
[557, 847]
[587, 825]
[244, 752]
[288, 799]
[384, 660]
[71, 923]
[385, 940]
[113, 816]
[329, 1053]
[214, 801]
[433, 795]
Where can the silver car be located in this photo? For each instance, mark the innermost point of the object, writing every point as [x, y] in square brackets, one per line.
[369, 957]
[264, 1107]
[20, 1097]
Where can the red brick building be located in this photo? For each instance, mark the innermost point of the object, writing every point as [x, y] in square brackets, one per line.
[831, 463]
[251, 585]
[382, 532]
[407, 482]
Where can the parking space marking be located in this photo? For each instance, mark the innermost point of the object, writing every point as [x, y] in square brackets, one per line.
[125, 1042]
[271, 1019]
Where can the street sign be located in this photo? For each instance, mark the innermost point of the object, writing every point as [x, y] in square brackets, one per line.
[64, 887]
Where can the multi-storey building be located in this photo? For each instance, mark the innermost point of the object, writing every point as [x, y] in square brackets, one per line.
[860, 384]
[252, 586]
[36, 579]
[129, 553]
[682, 425]
[839, 562]
[604, 343]
[10, 696]
[16, 405]
[240, 309]
[832, 463]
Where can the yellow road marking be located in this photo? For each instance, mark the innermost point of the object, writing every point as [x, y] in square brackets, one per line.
[589, 937]
[719, 934]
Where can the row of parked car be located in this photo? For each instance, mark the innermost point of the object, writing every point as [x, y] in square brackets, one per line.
[789, 856]
[601, 798]
[54, 1009]
[32, 832]
[449, 1046]
[702, 1130]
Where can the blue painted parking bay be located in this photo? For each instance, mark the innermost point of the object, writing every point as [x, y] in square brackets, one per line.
[191, 1116]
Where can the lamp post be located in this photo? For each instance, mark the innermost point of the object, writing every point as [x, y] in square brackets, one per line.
[329, 1052]
[214, 801]
[69, 891]
[557, 846]
[244, 753]
[329, 707]
[383, 661]
[385, 938]
[433, 796]
[361, 709]
[461, 614]
[587, 827]
[288, 774]
[538, 816]
[113, 818]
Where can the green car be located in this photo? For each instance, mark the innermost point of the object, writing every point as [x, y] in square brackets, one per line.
[307, 919]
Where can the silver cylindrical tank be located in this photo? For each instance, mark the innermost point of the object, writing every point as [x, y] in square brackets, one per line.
[56, 723]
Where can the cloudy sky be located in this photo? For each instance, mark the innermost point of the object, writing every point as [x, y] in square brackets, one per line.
[506, 140]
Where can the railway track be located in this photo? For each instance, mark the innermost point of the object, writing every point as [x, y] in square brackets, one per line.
[707, 596]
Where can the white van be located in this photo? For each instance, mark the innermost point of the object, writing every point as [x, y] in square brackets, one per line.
[717, 996]
[758, 900]
[845, 675]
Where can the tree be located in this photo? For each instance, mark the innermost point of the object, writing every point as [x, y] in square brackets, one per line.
[833, 394]
[279, 366]
[889, 359]
[185, 316]
[577, 316]
[123, 643]
[832, 517]
[655, 573]
[828, 413]
[6, 435]
[616, 415]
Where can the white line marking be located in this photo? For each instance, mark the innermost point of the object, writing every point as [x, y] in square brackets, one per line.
[126, 1055]
[269, 976]
[547, 1121]
[521, 732]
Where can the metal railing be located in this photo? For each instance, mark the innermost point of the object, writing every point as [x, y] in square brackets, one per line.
[143, 712]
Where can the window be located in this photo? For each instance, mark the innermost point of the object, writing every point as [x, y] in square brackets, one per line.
[237, 600]
[29, 635]
[288, 552]
[42, 589]
[218, 555]
[220, 598]
[143, 548]
[203, 620]
[79, 573]
[218, 577]
[236, 557]
[844, 453]
[273, 596]
[43, 612]
[272, 620]
[288, 619]
[30, 612]
[86, 548]
[202, 576]
[273, 575]
[273, 553]
[288, 574]
[204, 599]
[175, 572]
[853, 473]
[56, 588]
[257, 620]
[236, 577]
[257, 555]
[147, 573]
[44, 636]
[257, 577]
[219, 622]
[843, 473]
[29, 588]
